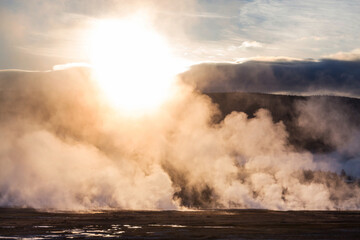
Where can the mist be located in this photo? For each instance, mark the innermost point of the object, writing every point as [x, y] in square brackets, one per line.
[64, 147]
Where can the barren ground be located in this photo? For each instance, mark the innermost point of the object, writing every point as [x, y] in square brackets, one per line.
[205, 224]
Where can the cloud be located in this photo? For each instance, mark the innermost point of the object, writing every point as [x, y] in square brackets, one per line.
[294, 77]
[70, 65]
[35, 44]
[269, 22]
[303, 34]
[207, 15]
[250, 44]
[197, 30]
[353, 55]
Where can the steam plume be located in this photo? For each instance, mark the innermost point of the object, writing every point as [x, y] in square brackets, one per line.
[63, 147]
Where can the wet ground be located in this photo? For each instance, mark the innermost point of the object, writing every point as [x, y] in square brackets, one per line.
[208, 224]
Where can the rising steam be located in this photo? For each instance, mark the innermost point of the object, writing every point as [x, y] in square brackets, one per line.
[63, 147]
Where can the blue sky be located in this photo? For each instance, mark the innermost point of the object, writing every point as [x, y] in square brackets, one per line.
[38, 34]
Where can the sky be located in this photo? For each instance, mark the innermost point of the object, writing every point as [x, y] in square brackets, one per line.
[38, 34]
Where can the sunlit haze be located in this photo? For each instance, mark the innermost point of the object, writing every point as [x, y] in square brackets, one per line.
[191, 104]
[132, 63]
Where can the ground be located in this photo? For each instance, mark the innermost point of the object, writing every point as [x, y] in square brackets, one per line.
[205, 224]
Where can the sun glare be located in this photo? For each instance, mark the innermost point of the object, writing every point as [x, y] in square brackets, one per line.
[132, 63]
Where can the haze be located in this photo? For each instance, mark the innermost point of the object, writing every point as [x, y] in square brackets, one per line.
[107, 104]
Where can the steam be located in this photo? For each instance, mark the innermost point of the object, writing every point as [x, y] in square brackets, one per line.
[63, 147]
[338, 126]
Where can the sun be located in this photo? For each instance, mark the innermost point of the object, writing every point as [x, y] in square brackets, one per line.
[132, 63]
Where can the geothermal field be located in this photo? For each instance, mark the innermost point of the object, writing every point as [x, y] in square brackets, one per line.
[191, 119]
[195, 165]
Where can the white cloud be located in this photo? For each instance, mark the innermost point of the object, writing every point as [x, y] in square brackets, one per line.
[353, 55]
[251, 44]
[70, 65]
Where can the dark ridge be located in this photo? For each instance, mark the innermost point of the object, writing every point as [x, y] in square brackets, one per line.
[284, 108]
[279, 76]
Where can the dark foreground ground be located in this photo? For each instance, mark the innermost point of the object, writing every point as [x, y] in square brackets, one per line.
[209, 224]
